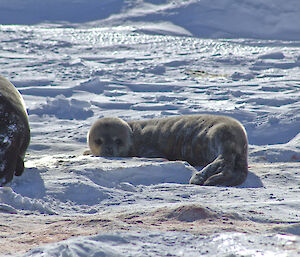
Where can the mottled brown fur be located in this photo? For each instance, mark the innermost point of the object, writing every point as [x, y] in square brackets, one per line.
[217, 143]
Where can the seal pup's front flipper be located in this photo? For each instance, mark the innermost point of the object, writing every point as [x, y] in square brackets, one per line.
[7, 166]
[19, 166]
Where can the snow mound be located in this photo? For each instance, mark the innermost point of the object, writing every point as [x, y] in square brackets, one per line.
[13, 201]
[288, 152]
[64, 108]
[111, 181]
[188, 213]
[145, 243]
[47, 180]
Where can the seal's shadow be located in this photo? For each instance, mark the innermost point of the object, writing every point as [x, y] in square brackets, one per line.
[30, 184]
[252, 181]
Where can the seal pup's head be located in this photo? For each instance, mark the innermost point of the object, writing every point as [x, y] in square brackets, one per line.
[110, 137]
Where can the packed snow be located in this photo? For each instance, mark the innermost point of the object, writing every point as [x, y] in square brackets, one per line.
[75, 61]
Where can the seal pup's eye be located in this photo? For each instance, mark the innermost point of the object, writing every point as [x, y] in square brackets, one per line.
[98, 141]
[118, 141]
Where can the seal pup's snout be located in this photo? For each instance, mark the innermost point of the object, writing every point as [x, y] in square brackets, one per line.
[108, 148]
[107, 151]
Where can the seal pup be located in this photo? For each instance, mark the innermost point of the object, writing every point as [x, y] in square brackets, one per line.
[217, 143]
[14, 132]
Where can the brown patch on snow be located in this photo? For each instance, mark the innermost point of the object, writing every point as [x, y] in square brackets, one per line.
[20, 233]
[189, 213]
[192, 218]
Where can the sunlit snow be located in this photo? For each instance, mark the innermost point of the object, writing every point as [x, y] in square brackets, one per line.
[76, 61]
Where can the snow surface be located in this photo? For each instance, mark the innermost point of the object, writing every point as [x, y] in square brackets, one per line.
[81, 60]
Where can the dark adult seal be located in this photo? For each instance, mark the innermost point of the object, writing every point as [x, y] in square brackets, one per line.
[217, 143]
[14, 132]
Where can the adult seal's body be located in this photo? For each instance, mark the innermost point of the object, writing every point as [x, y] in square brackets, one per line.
[217, 143]
[14, 132]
